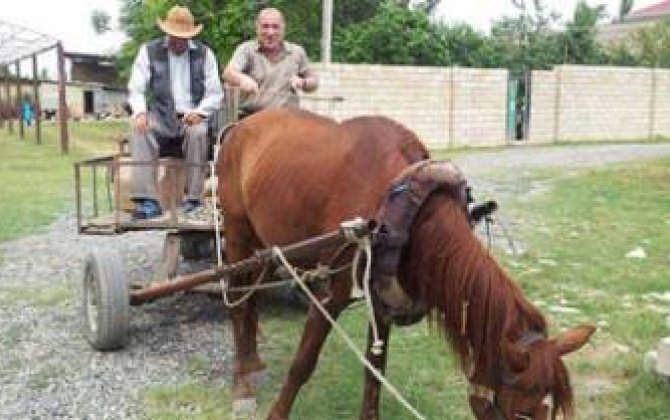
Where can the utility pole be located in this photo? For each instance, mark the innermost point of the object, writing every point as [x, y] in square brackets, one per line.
[326, 30]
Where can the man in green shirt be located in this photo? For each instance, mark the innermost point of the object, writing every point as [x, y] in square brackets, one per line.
[269, 70]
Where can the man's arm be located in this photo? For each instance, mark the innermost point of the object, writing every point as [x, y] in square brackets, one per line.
[234, 75]
[310, 81]
[211, 100]
[137, 84]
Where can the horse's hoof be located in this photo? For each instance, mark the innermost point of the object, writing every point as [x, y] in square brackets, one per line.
[244, 408]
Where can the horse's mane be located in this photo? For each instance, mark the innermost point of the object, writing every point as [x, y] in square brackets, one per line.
[472, 299]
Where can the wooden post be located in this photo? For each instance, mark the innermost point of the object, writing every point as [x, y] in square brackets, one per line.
[326, 30]
[8, 102]
[2, 103]
[62, 104]
[19, 112]
[37, 111]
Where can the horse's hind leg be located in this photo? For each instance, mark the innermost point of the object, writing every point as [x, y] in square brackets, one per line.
[314, 334]
[240, 243]
[370, 406]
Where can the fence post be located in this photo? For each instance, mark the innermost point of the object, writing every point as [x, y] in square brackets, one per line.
[62, 103]
[557, 102]
[452, 101]
[37, 111]
[652, 104]
[8, 102]
[19, 111]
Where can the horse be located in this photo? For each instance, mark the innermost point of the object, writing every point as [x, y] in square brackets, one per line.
[288, 175]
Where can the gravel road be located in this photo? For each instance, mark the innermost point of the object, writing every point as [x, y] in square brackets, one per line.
[47, 370]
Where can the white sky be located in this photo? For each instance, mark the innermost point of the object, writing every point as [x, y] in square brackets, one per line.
[70, 20]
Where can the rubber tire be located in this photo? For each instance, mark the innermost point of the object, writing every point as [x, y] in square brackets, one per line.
[107, 317]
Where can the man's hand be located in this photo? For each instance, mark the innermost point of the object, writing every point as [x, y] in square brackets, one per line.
[248, 85]
[297, 83]
[141, 121]
[192, 118]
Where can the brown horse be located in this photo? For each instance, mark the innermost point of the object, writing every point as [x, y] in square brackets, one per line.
[285, 176]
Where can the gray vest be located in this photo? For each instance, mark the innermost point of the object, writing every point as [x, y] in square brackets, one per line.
[160, 102]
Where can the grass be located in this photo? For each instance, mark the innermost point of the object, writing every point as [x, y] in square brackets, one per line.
[578, 230]
[37, 180]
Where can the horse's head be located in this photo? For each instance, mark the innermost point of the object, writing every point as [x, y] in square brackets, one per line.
[534, 383]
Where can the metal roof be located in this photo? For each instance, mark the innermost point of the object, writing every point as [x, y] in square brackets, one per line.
[18, 42]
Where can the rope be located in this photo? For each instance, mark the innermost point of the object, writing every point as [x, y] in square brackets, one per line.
[247, 295]
[352, 346]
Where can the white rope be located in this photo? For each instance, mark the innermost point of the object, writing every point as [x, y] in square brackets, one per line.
[365, 247]
[352, 346]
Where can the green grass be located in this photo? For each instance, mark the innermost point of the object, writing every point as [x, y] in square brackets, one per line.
[37, 181]
[578, 230]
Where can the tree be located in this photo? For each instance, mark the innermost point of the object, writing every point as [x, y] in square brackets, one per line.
[624, 8]
[395, 35]
[581, 46]
[651, 46]
[100, 21]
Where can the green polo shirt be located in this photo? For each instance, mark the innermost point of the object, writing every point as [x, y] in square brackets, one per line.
[273, 78]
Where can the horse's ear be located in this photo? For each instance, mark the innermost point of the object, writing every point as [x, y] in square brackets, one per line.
[516, 356]
[573, 339]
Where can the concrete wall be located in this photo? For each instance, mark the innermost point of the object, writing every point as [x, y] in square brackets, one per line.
[661, 109]
[443, 106]
[599, 103]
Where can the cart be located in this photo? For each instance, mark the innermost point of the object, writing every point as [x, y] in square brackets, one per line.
[103, 208]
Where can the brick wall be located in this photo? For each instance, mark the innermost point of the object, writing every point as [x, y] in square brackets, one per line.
[542, 107]
[422, 98]
[599, 103]
[661, 110]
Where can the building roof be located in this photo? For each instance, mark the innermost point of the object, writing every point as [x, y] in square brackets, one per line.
[18, 42]
[96, 59]
[657, 10]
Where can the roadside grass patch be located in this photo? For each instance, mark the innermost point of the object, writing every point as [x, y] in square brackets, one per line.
[41, 297]
[578, 228]
[37, 180]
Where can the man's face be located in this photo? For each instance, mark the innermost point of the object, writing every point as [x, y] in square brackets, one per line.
[270, 31]
[177, 45]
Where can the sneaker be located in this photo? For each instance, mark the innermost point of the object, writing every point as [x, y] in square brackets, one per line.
[147, 209]
[187, 206]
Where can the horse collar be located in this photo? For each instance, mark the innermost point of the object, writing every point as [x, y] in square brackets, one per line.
[408, 192]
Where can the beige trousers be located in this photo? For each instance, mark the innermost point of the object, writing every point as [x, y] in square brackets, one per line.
[144, 147]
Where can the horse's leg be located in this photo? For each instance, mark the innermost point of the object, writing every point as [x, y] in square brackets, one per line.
[314, 334]
[244, 317]
[370, 407]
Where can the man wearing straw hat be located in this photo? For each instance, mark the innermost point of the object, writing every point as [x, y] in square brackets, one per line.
[173, 89]
[268, 70]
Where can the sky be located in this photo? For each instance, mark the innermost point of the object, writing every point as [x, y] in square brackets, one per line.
[70, 20]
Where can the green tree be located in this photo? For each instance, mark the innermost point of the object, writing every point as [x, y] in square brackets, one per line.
[100, 21]
[395, 35]
[624, 8]
[648, 46]
[580, 44]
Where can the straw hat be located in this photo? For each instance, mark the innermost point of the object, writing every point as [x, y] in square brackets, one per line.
[180, 23]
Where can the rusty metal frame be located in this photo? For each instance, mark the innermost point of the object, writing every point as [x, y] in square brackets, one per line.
[116, 223]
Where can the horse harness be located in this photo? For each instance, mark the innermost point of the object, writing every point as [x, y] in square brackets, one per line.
[490, 396]
[407, 194]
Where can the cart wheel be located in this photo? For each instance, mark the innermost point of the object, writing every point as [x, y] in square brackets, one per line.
[106, 301]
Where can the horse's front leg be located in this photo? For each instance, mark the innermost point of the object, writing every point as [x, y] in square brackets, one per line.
[314, 334]
[370, 406]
